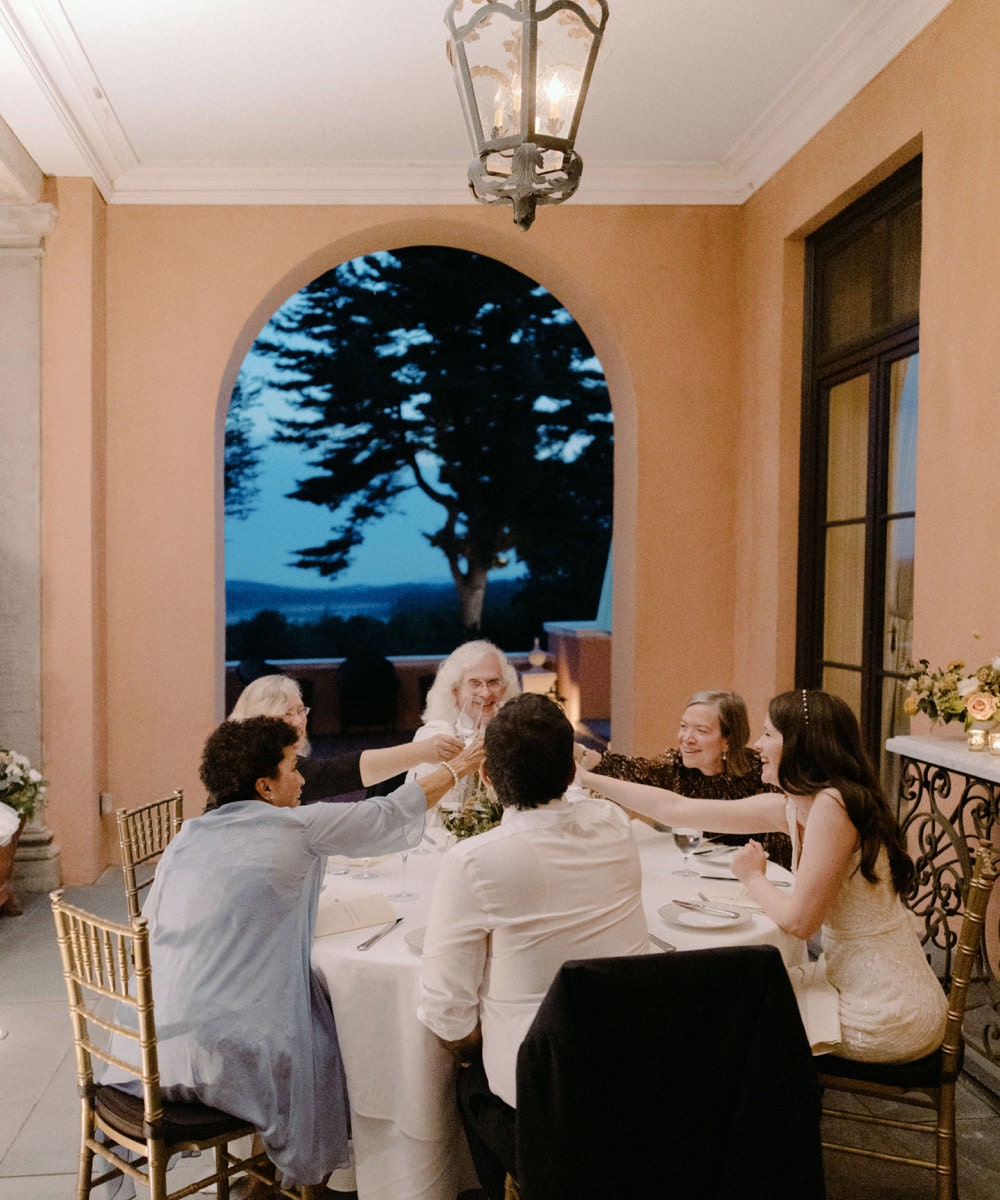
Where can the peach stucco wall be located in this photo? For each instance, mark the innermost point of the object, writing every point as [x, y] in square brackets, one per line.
[187, 291]
[696, 314]
[941, 95]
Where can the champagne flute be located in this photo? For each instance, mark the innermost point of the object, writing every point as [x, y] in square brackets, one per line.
[403, 893]
[686, 840]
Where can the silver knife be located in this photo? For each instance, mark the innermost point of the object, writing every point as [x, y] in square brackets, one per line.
[381, 934]
[732, 879]
[661, 943]
[713, 909]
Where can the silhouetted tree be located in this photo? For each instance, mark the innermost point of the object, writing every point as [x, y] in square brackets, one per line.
[241, 456]
[449, 372]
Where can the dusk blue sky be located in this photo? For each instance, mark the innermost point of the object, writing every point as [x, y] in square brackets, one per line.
[262, 548]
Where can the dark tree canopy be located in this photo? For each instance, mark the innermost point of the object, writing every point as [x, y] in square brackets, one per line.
[434, 368]
[241, 461]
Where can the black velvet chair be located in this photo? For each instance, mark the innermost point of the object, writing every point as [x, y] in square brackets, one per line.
[675, 1075]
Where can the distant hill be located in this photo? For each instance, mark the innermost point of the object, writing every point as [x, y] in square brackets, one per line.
[245, 598]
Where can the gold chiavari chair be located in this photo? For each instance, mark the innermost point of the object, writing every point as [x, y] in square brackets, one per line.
[109, 987]
[928, 1083]
[143, 835]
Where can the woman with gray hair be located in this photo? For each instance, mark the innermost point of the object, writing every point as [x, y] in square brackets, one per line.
[713, 762]
[476, 675]
[336, 777]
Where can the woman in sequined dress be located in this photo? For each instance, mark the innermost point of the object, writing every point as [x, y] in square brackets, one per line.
[851, 870]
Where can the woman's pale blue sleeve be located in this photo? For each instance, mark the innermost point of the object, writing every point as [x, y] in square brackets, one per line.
[380, 825]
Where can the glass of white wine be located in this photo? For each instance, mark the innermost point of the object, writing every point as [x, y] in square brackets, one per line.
[686, 840]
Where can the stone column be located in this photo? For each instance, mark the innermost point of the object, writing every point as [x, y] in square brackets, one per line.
[22, 228]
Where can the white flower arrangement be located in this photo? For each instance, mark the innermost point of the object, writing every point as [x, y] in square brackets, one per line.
[951, 695]
[21, 786]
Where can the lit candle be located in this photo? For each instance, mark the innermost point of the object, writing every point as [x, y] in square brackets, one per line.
[498, 111]
[994, 741]
[555, 92]
[977, 739]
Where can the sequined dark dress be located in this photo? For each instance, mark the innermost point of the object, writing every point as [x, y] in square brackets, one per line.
[667, 770]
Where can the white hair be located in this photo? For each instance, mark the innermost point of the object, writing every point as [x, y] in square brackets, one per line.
[441, 704]
[269, 696]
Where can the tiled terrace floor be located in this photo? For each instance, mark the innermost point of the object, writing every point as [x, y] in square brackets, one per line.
[38, 1107]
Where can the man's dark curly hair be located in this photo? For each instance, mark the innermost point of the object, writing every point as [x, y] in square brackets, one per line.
[529, 752]
[239, 753]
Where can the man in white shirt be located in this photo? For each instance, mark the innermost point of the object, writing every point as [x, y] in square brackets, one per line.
[555, 880]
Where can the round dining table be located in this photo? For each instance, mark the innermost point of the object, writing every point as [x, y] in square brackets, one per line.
[407, 1137]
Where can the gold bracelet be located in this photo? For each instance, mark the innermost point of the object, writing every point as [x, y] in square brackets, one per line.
[454, 773]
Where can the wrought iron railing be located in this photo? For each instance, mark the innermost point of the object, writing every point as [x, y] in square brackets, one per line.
[949, 801]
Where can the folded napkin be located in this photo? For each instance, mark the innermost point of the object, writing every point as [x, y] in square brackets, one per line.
[819, 1006]
[721, 891]
[346, 905]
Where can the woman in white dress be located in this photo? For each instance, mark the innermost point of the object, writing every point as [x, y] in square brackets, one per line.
[851, 868]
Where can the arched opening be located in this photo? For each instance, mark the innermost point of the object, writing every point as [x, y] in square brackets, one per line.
[437, 425]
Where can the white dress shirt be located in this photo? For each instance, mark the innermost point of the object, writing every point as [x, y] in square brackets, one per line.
[512, 905]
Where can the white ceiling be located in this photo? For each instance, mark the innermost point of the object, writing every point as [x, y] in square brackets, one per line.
[353, 101]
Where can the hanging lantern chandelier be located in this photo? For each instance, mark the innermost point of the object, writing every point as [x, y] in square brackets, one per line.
[522, 75]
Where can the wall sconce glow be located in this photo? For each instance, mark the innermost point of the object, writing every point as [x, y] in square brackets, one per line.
[522, 76]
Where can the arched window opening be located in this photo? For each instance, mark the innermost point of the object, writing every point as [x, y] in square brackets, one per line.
[419, 449]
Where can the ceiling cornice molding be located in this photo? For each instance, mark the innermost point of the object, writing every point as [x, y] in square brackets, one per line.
[48, 44]
[412, 183]
[866, 46]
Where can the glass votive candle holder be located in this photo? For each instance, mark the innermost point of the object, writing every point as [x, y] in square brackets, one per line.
[976, 739]
[994, 741]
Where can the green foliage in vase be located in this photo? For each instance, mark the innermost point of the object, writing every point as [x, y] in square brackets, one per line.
[481, 810]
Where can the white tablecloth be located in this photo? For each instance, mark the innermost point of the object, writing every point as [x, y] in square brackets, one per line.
[408, 1141]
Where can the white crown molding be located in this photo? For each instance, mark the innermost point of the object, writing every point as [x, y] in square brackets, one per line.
[866, 44]
[47, 42]
[409, 183]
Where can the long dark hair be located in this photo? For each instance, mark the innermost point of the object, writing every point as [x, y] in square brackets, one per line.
[822, 748]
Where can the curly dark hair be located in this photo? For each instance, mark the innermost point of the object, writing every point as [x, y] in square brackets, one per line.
[822, 748]
[529, 751]
[239, 753]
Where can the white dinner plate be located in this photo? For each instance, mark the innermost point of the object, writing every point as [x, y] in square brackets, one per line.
[692, 918]
[415, 940]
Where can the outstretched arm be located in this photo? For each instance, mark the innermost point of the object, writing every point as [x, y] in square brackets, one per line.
[755, 814]
[827, 847]
[386, 761]
[444, 778]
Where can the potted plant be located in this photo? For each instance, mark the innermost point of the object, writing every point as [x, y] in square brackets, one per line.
[22, 793]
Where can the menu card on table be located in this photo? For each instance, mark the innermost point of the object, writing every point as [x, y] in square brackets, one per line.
[345, 905]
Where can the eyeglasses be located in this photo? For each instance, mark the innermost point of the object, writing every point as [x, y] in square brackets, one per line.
[493, 685]
[301, 711]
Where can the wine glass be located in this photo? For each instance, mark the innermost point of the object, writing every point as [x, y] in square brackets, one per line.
[337, 866]
[403, 893]
[366, 871]
[686, 840]
[469, 720]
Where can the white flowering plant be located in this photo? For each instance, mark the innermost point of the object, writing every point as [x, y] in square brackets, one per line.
[951, 694]
[21, 786]
[480, 809]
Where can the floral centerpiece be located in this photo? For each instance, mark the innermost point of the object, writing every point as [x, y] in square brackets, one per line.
[480, 809]
[21, 786]
[951, 694]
